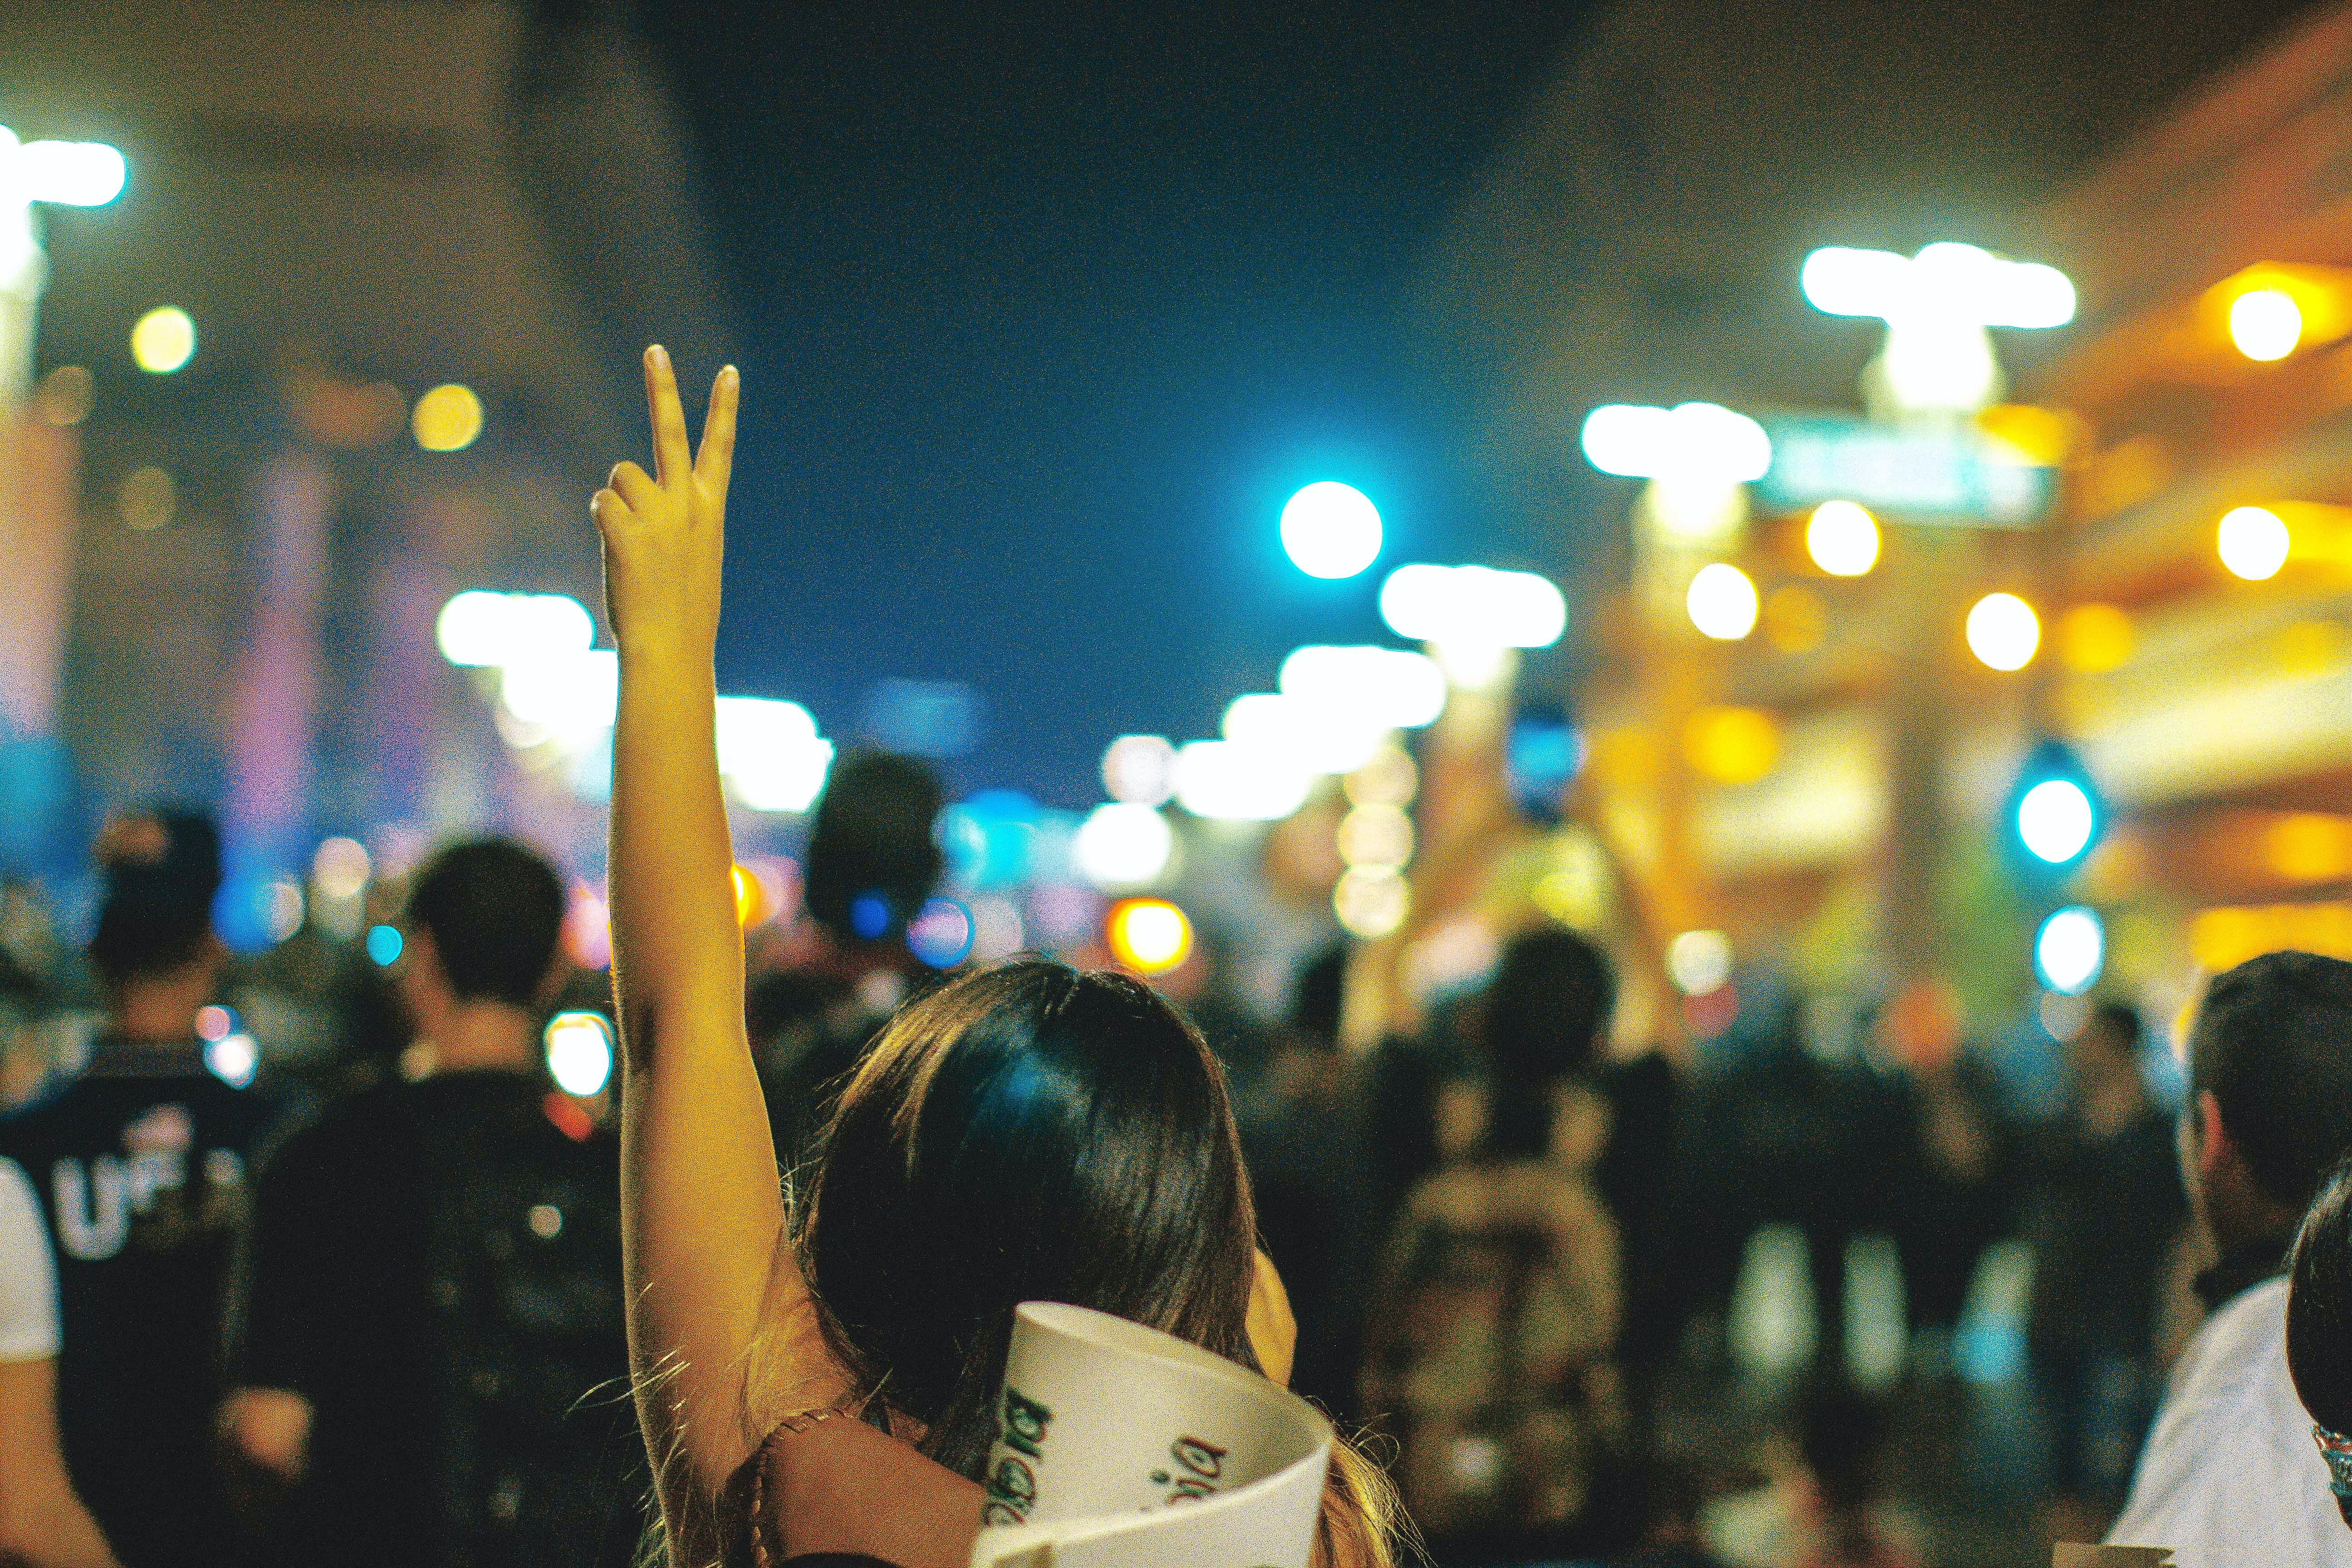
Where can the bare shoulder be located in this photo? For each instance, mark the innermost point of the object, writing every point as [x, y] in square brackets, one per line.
[841, 1486]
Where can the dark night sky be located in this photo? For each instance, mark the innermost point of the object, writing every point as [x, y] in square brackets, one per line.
[1046, 308]
[1043, 315]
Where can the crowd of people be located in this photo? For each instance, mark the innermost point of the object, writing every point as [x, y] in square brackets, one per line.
[404, 1300]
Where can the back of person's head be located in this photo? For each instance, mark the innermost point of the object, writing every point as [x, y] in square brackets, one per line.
[2273, 1045]
[1028, 1132]
[1034, 1132]
[872, 859]
[2319, 1324]
[1547, 1008]
[161, 871]
[494, 911]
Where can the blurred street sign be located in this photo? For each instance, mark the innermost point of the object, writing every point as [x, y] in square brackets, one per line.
[1958, 477]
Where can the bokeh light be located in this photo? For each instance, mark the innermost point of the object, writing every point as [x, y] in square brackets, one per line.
[448, 419]
[1474, 606]
[1150, 936]
[2055, 820]
[1371, 901]
[1140, 770]
[2003, 631]
[1385, 687]
[2095, 639]
[66, 395]
[213, 1022]
[1124, 844]
[2254, 543]
[163, 340]
[1842, 539]
[1732, 745]
[942, 934]
[146, 499]
[1722, 602]
[383, 945]
[579, 1048]
[1701, 442]
[2070, 951]
[2265, 324]
[1376, 835]
[70, 174]
[1699, 961]
[340, 868]
[232, 1059]
[1221, 780]
[1330, 529]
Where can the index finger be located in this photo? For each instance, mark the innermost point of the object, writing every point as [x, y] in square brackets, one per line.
[671, 456]
[717, 457]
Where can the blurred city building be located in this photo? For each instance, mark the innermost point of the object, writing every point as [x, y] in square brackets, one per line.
[415, 250]
[1809, 757]
[2202, 579]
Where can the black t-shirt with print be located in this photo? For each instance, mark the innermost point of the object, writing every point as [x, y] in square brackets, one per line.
[142, 1163]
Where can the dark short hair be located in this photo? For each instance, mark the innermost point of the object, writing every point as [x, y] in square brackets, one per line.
[2120, 1020]
[495, 911]
[872, 859]
[2273, 1046]
[155, 913]
[2319, 1306]
[1547, 1008]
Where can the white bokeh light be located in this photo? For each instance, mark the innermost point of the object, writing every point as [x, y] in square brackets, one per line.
[2003, 631]
[2254, 543]
[2055, 820]
[1330, 529]
[1722, 602]
[2070, 951]
[1842, 539]
[2265, 324]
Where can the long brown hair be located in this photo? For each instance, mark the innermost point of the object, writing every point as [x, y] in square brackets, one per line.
[1034, 1133]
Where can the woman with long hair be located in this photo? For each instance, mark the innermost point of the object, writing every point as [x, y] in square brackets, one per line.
[815, 1378]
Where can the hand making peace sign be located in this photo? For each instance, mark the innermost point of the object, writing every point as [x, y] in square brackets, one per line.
[664, 534]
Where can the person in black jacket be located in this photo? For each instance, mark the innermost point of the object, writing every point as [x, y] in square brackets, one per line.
[435, 1363]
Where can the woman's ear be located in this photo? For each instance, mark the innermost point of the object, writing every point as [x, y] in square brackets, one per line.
[1273, 1332]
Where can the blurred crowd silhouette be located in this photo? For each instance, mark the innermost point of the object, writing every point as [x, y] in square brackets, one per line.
[336, 1261]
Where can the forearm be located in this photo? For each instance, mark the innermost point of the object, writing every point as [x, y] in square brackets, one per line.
[703, 1212]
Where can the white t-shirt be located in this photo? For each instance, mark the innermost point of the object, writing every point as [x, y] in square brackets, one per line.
[28, 1276]
[2231, 1475]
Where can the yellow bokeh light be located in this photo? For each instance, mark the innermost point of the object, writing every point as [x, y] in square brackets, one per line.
[2003, 631]
[2265, 323]
[2224, 938]
[1371, 901]
[2095, 639]
[1376, 835]
[448, 419]
[1842, 539]
[1732, 745]
[163, 340]
[1150, 936]
[1722, 602]
[2252, 541]
[2043, 436]
[2309, 847]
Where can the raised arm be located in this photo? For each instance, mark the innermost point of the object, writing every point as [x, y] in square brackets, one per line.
[702, 1214]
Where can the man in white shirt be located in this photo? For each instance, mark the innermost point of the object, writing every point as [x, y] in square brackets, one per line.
[42, 1522]
[2231, 1475]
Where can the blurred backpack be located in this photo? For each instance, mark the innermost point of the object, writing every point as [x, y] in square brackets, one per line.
[1493, 1343]
[528, 1341]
